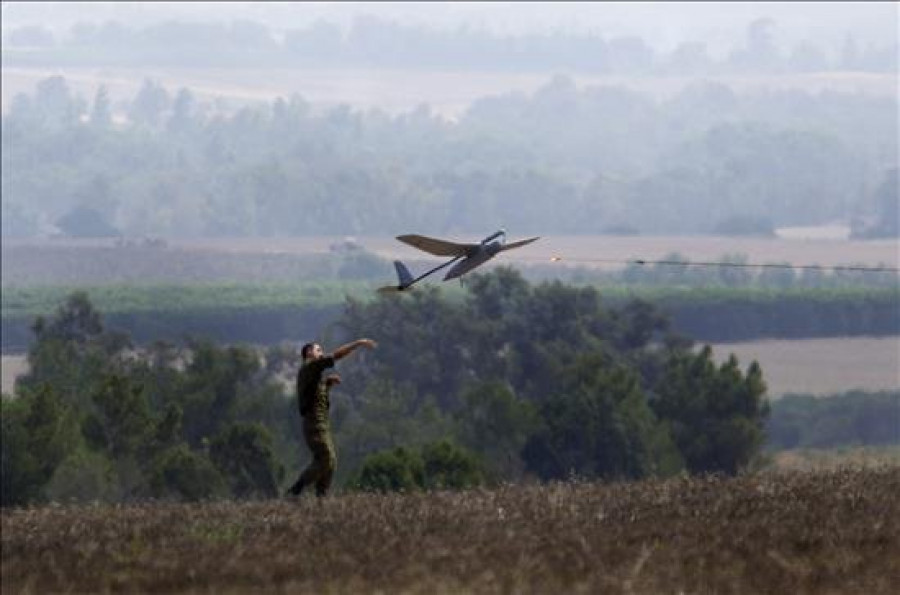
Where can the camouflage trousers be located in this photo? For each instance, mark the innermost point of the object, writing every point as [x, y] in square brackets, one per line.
[321, 470]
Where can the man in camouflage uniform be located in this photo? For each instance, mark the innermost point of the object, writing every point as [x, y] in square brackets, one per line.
[313, 400]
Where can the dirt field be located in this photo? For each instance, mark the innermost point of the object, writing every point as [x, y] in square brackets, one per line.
[823, 532]
[447, 93]
[592, 250]
[821, 366]
[831, 459]
[588, 250]
[12, 367]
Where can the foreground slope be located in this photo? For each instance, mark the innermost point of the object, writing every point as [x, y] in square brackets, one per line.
[821, 532]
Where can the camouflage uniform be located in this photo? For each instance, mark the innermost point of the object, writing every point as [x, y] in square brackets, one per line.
[313, 401]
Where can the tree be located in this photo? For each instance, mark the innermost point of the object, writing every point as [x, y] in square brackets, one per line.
[72, 351]
[496, 424]
[122, 424]
[716, 415]
[37, 434]
[86, 222]
[448, 466]
[101, 113]
[806, 57]
[396, 470]
[213, 386]
[76, 321]
[689, 58]
[182, 473]
[243, 454]
[597, 424]
[182, 116]
[84, 476]
[760, 53]
[436, 466]
[149, 104]
[886, 199]
[54, 104]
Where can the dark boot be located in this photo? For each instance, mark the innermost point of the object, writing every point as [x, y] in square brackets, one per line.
[296, 489]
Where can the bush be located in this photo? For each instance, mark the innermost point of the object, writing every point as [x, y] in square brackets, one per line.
[396, 470]
[37, 433]
[448, 466]
[182, 473]
[243, 454]
[83, 476]
[439, 465]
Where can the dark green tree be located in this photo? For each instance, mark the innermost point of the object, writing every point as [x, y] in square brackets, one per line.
[38, 431]
[243, 454]
[182, 473]
[716, 414]
[496, 424]
[436, 466]
[73, 352]
[121, 423]
[213, 387]
[449, 466]
[597, 424]
[395, 470]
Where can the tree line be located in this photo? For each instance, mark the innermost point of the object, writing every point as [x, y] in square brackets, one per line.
[267, 315]
[513, 382]
[375, 42]
[856, 418]
[564, 160]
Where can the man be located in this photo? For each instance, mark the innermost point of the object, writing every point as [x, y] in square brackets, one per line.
[313, 400]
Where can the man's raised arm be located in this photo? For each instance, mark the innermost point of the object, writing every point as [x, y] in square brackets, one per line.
[345, 350]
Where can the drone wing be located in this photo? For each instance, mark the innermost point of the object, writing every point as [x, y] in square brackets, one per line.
[435, 246]
[520, 243]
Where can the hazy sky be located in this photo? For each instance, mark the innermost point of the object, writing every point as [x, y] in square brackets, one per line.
[662, 24]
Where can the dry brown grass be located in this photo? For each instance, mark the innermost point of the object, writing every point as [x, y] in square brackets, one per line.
[830, 459]
[824, 532]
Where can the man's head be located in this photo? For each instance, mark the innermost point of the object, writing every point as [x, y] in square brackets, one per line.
[311, 351]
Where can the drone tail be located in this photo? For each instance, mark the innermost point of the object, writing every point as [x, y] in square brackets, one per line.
[403, 276]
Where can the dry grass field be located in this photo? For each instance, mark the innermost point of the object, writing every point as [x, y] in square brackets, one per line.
[830, 459]
[581, 250]
[821, 366]
[586, 250]
[822, 532]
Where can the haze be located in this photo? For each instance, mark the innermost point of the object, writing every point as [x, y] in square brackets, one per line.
[664, 24]
[672, 118]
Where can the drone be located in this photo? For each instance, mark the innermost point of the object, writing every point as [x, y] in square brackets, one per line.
[465, 257]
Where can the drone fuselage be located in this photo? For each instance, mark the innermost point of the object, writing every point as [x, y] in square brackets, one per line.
[475, 258]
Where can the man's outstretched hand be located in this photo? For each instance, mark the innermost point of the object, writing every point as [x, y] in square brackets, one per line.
[345, 350]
